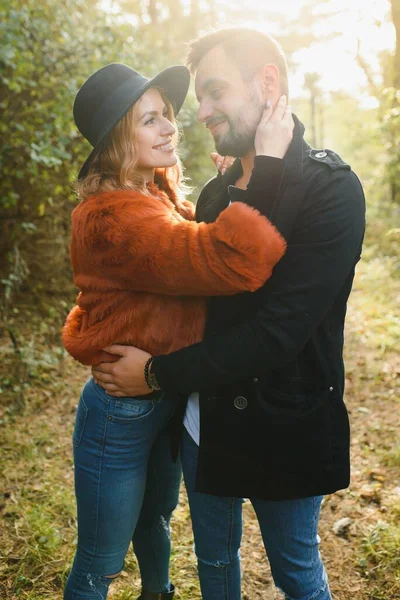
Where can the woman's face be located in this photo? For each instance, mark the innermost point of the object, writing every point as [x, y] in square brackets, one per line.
[153, 134]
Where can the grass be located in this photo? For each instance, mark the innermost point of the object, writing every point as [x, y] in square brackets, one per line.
[392, 457]
[380, 560]
[39, 509]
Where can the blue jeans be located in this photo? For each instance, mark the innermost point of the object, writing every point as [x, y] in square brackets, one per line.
[126, 487]
[289, 532]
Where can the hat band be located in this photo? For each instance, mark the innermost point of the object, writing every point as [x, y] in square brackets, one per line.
[115, 105]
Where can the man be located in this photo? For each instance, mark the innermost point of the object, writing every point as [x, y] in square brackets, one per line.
[269, 373]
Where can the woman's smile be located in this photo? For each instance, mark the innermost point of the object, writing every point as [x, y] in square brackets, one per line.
[165, 147]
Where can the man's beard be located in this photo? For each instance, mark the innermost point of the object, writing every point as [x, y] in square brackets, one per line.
[239, 140]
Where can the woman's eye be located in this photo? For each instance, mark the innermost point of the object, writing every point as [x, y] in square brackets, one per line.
[149, 121]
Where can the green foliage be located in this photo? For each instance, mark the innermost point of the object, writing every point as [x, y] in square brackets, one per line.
[39, 77]
[196, 147]
[380, 562]
[31, 353]
[41, 68]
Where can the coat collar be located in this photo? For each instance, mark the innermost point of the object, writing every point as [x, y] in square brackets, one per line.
[295, 154]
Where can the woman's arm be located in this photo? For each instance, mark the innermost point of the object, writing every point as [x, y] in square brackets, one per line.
[141, 245]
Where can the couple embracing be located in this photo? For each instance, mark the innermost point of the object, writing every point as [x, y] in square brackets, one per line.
[215, 334]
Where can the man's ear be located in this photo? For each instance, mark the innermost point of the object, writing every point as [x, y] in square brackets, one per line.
[270, 80]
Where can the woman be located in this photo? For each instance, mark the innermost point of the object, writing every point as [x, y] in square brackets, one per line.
[144, 268]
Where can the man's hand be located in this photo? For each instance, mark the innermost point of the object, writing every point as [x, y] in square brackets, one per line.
[126, 376]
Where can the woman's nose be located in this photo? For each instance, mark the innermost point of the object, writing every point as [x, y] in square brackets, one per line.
[168, 127]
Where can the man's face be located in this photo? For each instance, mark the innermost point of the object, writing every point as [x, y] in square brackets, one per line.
[230, 107]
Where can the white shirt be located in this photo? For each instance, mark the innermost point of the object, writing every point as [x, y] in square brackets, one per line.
[191, 419]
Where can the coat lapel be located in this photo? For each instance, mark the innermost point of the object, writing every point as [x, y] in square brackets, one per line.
[210, 209]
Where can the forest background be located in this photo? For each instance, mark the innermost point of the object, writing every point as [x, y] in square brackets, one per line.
[344, 60]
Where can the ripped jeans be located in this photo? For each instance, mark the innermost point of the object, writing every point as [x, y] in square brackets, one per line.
[126, 487]
[289, 532]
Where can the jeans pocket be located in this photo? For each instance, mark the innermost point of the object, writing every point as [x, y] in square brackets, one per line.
[126, 410]
[80, 422]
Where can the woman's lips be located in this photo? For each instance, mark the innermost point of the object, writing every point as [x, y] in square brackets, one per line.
[167, 147]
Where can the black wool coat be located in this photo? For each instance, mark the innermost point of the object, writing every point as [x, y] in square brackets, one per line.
[273, 423]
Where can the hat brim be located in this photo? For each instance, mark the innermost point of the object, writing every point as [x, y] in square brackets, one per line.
[174, 81]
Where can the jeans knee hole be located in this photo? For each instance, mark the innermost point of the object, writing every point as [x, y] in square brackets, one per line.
[98, 585]
[163, 525]
[219, 564]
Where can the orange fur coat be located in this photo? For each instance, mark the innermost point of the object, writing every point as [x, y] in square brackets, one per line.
[145, 268]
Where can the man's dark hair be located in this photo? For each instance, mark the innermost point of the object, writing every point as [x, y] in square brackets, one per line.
[248, 48]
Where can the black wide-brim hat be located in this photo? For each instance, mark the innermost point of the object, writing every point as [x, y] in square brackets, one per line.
[109, 93]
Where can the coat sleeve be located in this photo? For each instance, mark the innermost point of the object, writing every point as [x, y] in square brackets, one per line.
[319, 261]
[142, 245]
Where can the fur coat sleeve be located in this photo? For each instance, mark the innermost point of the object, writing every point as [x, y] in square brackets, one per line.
[145, 244]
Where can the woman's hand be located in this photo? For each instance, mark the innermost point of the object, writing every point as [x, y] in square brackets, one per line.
[275, 130]
[223, 163]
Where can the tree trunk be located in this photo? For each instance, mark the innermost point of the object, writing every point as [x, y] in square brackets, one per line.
[395, 5]
[194, 17]
[153, 12]
[311, 84]
[175, 10]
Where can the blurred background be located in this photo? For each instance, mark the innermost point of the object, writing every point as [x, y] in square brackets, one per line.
[344, 60]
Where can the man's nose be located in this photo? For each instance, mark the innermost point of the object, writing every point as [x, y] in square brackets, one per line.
[204, 112]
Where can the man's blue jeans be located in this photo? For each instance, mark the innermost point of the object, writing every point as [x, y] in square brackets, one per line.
[126, 488]
[289, 531]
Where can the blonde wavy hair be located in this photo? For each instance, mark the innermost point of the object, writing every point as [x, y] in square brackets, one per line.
[114, 167]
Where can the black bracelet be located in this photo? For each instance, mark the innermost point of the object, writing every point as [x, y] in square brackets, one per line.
[147, 370]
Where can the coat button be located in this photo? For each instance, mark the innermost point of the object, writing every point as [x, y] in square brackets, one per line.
[321, 155]
[240, 402]
[255, 380]
[331, 389]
